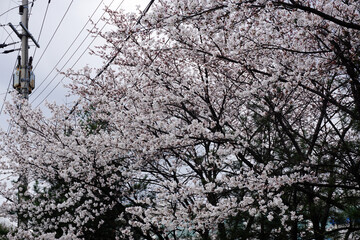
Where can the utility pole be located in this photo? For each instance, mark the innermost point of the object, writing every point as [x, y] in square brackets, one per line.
[24, 71]
[24, 82]
[24, 79]
[24, 90]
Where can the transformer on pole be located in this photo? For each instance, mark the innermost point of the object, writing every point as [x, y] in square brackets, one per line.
[24, 78]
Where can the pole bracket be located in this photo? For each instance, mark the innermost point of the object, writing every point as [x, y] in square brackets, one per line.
[15, 31]
[29, 34]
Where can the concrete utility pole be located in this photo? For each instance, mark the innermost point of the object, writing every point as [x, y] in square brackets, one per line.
[24, 90]
[24, 82]
[25, 78]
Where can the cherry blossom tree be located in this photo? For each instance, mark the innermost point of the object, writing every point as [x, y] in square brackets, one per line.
[216, 120]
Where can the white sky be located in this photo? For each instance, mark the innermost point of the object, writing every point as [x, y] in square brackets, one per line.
[74, 21]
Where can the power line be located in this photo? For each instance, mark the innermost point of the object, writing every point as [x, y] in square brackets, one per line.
[52, 37]
[111, 60]
[5, 20]
[9, 34]
[119, 49]
[8, 11]
[72, 45]
[82, 54]
[42, 25]
[73, 55]
[3, 45]
[32, 5]
[9, 128]
[12, 9]
[152, 60]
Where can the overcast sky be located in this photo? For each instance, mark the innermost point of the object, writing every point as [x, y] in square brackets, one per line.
[77, 16]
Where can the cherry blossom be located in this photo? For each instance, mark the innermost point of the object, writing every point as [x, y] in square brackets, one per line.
[216, 120]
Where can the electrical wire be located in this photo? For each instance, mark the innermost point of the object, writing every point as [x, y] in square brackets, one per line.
[32, 5]
[2, 34]
[41, 28]
[9, 127]
[82, 54]
[12, 9]
[9, 35]
[73, 55]
[119, 49]
[8, 11]
[72, 44]
[111, 60]
[52, 37]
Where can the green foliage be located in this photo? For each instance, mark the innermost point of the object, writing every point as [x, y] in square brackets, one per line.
[4, 230]
[91, 124]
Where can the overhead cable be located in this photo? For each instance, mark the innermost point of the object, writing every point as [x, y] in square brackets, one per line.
[12, 9]
[32, 6]
[42, 26]
[2, 34]
[8, 11]
[72, 45]
[52, 37]
[73, 55]
[120, 48]
[9, 34]
[108, 64]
